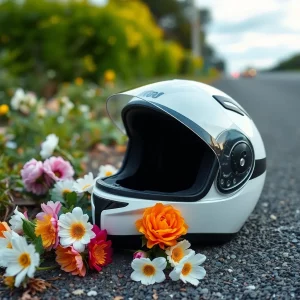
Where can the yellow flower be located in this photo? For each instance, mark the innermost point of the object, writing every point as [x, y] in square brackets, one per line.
[47, 231]
[9, 281]
[78, 81]
[133, 37]
[89, 63]
[4, 109]
[109, 76]
[46, 225]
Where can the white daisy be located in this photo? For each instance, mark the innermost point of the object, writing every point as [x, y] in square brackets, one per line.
[17, 99]
[74, 229]
[16, 221]
[49, 145]
[67, 105]
[60, 119]
[5, 242]
[84, 108]
[84, 184]
[23, 101]
[31, 99]
[61, 189]
[147, 271]
[188, 270]
[178, 252]
[21, 260]
[41, 112]
[107, 170]
[90, 93]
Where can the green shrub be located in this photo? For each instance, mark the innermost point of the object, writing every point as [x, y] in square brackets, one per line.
[57, 41]
[170, 58]
[190, 64]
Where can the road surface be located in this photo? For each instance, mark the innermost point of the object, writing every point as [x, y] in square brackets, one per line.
[263, 261]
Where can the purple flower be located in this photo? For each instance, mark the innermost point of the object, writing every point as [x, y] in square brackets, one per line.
[58, 168]
[34, 177]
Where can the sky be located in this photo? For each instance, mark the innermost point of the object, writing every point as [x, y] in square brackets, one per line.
[252, 33]
[256, 33]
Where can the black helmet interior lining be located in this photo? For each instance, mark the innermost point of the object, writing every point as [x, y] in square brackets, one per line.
[164, 158]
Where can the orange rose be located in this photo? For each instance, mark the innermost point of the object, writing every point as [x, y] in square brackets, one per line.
[3, 227]
[162, 225]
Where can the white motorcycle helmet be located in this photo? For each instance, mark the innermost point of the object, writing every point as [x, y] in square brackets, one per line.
[191, 146]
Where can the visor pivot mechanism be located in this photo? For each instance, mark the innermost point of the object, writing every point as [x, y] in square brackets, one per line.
[241, 157]
[242, 162]
[236, 162]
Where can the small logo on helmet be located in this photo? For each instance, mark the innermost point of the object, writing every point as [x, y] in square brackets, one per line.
[151, 94]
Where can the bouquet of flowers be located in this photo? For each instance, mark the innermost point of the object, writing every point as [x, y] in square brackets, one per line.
[162, 227]
[77, 244]
[62, 226]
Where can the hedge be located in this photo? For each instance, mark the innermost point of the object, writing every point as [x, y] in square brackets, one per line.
[65, 40]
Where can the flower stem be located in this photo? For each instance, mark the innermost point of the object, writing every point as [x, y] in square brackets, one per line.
[65, 154]
[46, 268]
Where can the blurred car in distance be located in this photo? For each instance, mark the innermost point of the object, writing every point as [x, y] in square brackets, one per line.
[249, 73]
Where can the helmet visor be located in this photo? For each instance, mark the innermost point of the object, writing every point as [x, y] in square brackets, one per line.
[207, 131]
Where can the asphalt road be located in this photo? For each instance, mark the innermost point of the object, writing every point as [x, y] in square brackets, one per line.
[263, 261]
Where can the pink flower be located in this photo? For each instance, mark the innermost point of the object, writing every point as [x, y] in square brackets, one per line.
[100, 251]
[140, 254]
[46, 225]
[34, 177]
[51, 208]
[58, 168]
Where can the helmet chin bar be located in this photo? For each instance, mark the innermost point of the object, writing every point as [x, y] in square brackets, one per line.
[236, 161]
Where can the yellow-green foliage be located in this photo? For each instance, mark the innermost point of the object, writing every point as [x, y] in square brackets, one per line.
[170, 58]
[78, 39]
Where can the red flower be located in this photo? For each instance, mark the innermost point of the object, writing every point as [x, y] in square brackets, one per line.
[100, 251]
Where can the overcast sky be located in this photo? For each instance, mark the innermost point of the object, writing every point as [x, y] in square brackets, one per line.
[255, 33]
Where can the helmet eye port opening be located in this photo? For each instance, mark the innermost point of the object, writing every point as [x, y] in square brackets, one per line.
[164, 159]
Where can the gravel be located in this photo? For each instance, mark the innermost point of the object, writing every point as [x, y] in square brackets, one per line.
[263, 260]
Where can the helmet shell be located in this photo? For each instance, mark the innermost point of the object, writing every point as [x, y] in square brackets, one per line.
[224, 126]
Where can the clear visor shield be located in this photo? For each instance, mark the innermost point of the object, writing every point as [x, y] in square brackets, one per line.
[207, 120]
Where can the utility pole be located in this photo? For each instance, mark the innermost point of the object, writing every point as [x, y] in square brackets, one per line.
[195, 28]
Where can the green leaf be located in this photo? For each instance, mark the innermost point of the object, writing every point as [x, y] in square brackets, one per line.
[144, 241]
[38, 244]
[71, 199]
[159, 252]
[66, 210]
[28, 229]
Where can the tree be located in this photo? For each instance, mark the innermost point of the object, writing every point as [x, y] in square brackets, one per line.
[173, 16]
[292, 63]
